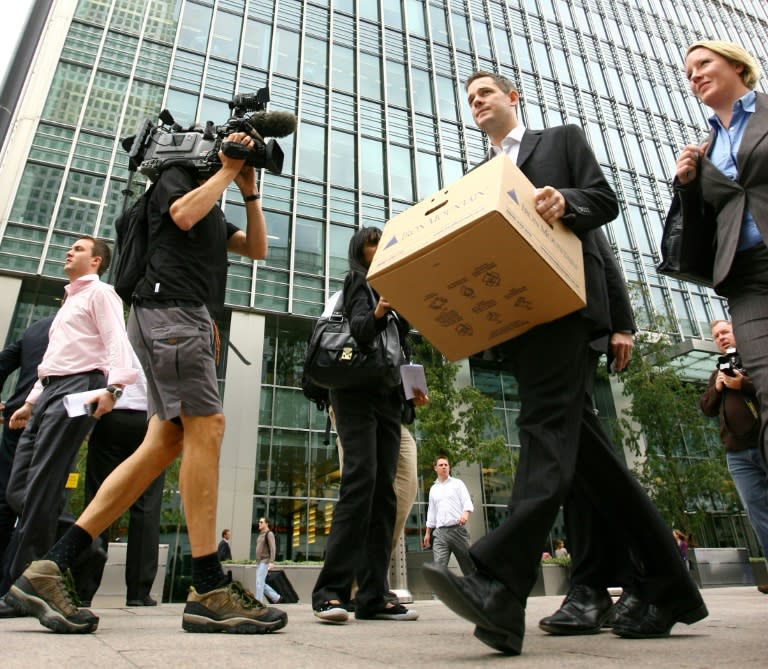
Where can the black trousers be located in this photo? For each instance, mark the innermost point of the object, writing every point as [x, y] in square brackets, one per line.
[561, 439]
[360, 542]
[7, 515]
[114, 438]
[44, 458]
[596, 563]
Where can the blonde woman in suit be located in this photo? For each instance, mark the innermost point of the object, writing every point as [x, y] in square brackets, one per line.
[730, 172]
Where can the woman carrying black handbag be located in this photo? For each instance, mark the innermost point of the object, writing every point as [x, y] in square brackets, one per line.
[368, 422]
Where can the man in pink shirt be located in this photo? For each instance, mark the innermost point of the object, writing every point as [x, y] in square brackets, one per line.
[88, 349]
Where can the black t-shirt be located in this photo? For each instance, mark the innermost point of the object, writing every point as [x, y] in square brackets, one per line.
[188, 266]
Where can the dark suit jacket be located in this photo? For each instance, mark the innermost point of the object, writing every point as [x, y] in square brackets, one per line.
[729, 198]
[25, 355]
[619, 304]
[561, 157]
[224, 551]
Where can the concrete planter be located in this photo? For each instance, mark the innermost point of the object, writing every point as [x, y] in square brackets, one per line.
[553, 579]
[111, 592]
[556, 579]
[719, 567]
[301, 576]
[759, 572]
[417, 585]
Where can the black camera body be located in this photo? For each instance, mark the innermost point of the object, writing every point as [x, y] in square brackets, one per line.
[729, 362]
[154, 148]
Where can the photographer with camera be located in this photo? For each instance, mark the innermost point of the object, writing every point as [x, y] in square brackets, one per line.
[173, 333]
[731, 395]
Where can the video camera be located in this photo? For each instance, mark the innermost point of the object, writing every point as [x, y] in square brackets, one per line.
[154, 148]
[729, 362]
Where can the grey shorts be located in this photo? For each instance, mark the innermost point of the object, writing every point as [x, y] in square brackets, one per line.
[176, 349]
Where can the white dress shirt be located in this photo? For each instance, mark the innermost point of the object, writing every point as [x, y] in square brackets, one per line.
[509, 145]
[448, 500]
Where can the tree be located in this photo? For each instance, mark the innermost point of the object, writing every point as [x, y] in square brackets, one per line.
[681, 462]
[459, 422]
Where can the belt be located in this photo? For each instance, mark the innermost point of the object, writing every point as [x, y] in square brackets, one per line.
[166, 304]
[448, 527]
[48, 380]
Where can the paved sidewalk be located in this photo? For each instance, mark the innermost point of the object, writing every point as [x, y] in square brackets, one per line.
[734, 635]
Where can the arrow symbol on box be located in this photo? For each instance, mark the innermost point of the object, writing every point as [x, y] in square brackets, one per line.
[391, 242]
[513, 195]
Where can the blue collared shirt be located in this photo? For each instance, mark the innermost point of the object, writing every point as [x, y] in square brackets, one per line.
[723, 156]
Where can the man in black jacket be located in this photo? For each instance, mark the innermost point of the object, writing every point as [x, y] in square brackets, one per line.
[561, 438]
[24, 355]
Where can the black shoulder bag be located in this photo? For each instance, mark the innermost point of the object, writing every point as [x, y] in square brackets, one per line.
[688, 241]
[335, 360]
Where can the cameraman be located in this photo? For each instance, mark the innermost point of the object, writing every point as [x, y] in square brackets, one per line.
[731, 395]
[174, 336]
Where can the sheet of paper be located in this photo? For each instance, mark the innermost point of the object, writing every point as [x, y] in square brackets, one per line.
[331, 304]
[413, 378]
[75, 402]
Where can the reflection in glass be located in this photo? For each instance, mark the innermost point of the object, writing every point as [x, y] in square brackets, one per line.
[343, 159]
[309, 246]
[315, 60]
[258, 37]
[225, 40]
[195, 27]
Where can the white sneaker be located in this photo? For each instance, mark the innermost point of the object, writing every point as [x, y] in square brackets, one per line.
[332, 613]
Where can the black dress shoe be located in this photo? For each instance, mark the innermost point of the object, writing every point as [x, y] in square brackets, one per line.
[627, 605]
[8, 611]
[146, 601]
[582, 612]
[652, 622]
[498, 615]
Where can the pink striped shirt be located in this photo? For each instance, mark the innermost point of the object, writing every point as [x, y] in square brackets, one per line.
[88, 333]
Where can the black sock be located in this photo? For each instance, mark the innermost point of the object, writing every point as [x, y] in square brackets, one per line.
[67, 549]
[207, 573]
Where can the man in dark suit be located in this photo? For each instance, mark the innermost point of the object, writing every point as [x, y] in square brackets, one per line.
[224, 550]
[561, 438]
[24, 355]
[597, 565]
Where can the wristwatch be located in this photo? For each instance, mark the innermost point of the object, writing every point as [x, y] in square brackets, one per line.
[116, 392]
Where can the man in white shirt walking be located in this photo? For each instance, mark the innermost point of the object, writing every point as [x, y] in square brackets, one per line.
[448, 513]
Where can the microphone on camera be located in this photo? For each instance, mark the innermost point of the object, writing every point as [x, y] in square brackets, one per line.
[273, 124]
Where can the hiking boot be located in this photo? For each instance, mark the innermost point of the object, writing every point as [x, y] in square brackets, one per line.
[44, 592]
[230, 608]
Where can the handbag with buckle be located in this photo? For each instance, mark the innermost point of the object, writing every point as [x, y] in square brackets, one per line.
[335, 359]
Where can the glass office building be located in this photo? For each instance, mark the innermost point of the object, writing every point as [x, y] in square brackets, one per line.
[382, 123]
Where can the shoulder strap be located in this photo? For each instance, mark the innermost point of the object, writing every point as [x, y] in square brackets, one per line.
[374, 302]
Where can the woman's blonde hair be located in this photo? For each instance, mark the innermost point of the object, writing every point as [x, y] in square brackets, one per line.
[733, 53]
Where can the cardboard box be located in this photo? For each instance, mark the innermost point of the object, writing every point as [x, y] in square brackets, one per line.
[474, 264]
